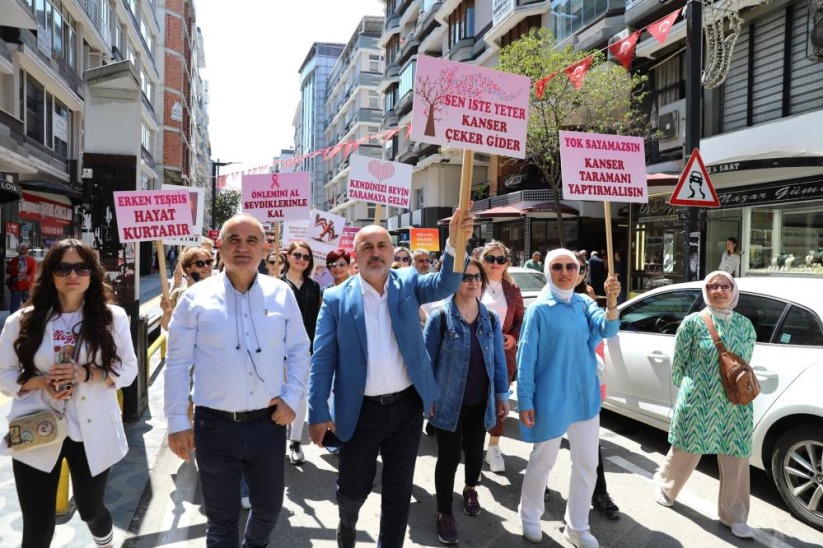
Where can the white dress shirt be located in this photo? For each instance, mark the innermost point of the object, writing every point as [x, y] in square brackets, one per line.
[386, 371]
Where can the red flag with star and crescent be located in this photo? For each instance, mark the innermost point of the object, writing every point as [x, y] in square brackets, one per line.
[540, 85]
[660, 29]
[623, 50]
[577, 71]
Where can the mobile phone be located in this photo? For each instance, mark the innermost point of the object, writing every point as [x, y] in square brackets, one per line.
[331, 442]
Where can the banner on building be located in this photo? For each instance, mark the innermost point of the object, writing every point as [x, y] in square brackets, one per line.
[466, 106]
[197, 201]
[270, 197]
[148, 215]
[424, 238]
[603, 168]
[379, 181]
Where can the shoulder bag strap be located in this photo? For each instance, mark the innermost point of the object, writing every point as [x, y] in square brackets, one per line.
[707, 319]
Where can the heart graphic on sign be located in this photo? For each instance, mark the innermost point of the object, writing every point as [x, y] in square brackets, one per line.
[380, 170]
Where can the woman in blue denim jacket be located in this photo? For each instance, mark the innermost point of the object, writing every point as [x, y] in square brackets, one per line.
[465, 343]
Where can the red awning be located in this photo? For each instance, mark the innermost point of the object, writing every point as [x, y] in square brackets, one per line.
[661, 179]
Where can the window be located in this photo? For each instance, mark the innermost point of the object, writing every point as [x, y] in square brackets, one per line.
[392, 48]
[389, 99]
[521, 29]
[145, 85]
[35, 109]
[461, 22]
[106, 24]
[374, 63]
[801, 327]
[659, 314]
[571, 16]
[763, 312]
[61, 128]
[146, 137]
[132, 6]
[57, 34]
[406, 79]
[418, 199]
[373, 100]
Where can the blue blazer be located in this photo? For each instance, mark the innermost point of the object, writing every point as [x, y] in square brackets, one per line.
[340, 343]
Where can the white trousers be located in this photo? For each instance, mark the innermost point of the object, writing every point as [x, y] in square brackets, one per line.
[296, 427]
[583, 437]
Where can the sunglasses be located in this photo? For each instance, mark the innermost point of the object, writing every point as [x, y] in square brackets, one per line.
[722, 287]
[301, 256]
[400, 259]
[201, 264]
[272, 263]
[468, 278]
[491, 259]
[64, 269]
[570, 267]
[339, 264]
[269, 241]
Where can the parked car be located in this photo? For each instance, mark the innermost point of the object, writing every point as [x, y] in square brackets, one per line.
[788, 361]
[530, 282]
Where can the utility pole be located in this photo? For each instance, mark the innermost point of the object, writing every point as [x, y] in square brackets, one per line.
[215, 170]
[694, 243]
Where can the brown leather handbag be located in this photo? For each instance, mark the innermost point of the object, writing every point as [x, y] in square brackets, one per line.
[737, 376]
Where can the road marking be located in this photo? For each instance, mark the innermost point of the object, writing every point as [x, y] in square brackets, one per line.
[696, 503]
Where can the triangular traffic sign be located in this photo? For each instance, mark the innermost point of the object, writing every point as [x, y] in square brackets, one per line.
[694, 188]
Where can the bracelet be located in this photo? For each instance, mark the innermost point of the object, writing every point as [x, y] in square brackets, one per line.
[103, 376]
[88, 372]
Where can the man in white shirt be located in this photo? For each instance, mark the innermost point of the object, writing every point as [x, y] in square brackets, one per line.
[241, 330]
[369, 345]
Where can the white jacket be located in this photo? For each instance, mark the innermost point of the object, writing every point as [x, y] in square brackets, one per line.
[96, 405]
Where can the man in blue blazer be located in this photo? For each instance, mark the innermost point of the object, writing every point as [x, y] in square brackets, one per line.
[369, 348]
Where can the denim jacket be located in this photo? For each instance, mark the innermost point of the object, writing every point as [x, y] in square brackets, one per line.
[449, 355]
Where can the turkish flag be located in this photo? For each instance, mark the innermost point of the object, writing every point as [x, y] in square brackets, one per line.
[623, 50]
[577, 71]
[660, 29]
[540, 86]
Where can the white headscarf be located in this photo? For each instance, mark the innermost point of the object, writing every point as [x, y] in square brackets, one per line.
[564, 295]
[721, 313]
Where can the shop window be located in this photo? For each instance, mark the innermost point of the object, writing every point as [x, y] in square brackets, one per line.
[761, 242]
[801, 328]
[660, 314]
[801, 238]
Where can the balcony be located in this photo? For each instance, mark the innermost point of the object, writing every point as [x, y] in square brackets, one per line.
[510, 13]
[408, 48]
[390, 28]
[16, 14]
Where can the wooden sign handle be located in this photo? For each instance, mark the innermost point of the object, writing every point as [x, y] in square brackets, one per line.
[378, 213]
[161, 262]
[607, 214]
[463, 207]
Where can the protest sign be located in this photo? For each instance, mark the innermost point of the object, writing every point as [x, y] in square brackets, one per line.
[146, 215]
[378, 181]
[347, 239]
[270, 197]
[603, 168]
[424, 238]
[197, 205]
[470, 107]
[324, 231]
[294, 231]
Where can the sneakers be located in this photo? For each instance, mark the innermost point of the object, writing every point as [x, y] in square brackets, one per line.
[660, 497]
[245, 503]
[532, 532]
[606, 506]
[446, 529]
[580, 539]
[494, 458]
[296, 453]
[740, 530]
[471, 506]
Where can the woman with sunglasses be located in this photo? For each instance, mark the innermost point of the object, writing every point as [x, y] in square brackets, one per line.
[338, 262]
[299, 267]
[465, 344]
[503, 296]
[558, 392]
[195, 265]
[704, 420]
[68, 350]
[274, 264]
[403, 256]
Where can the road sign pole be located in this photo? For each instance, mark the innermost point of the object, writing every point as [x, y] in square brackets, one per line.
[694, 112]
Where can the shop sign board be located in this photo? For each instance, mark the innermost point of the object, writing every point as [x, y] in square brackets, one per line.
[270, 197]
[695, 188]
[151, 215]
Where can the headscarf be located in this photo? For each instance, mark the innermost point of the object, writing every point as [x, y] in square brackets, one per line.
[564, 295]
[721, 313]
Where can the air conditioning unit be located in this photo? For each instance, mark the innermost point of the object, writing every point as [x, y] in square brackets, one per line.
[671, 125]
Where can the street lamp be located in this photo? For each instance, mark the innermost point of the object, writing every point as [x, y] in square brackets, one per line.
[215, 169]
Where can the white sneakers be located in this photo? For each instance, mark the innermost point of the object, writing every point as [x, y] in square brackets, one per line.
[296, 455]
[660, 497]
[740, 530]
[494, 458]
[580, 539]
[532, 532]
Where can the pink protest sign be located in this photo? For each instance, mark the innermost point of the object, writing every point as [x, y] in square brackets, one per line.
[603, 168]
[146, 215]
[272, 197]
[466, 106]
[347, 239]
[379, 181]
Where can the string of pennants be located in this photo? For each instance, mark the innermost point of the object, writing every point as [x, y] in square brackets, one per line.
[622, 50]
[346, 147]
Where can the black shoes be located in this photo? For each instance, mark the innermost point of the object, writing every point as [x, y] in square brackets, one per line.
[447, 529]
[606, 506]
[471, 506]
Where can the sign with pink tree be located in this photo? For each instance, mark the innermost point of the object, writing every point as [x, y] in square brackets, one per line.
[471, 107]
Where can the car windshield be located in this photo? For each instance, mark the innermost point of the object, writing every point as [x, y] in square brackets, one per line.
[528, 280]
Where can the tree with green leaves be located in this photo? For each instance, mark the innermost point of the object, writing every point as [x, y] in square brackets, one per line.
[227, 205]
[608, 101]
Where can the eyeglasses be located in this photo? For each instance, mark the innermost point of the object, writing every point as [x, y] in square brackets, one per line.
[570, 267]
[269, 240]
[272, 263]
[722, 287]
[468, 278]
[301, 256]
[201, 264]
[64, 269]
[400, 259]
[339, 264]
[499, 259]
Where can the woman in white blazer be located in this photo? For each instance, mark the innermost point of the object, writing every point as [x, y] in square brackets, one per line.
[40, 369]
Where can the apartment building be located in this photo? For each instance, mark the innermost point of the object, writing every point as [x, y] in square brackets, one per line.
[353, 111]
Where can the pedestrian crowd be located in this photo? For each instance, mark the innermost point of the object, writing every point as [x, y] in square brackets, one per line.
[393, 337]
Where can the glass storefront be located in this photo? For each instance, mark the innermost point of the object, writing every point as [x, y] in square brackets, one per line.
[785, 240]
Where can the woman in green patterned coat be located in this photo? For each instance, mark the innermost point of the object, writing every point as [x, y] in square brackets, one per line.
[705, 421]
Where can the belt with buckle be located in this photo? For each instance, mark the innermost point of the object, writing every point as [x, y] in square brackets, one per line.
[387, 399]
[241, 416]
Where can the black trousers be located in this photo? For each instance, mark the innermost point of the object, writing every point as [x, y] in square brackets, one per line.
[600, 484]
[37, 492]
[392, 431]
[468, 437]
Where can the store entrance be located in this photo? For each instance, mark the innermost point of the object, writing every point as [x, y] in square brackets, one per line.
[717, 232]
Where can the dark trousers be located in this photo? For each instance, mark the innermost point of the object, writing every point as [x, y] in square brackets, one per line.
[17, 299]
[468, 437]
[37, 492]
[393, 431]
[600, 484]
[225, 450]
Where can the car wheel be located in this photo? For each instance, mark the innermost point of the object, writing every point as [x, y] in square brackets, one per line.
[797, 469]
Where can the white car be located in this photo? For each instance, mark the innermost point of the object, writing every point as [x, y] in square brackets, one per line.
[788, 360]
[530, 282]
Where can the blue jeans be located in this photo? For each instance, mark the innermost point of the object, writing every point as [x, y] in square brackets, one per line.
[227, 451]
[17, 298]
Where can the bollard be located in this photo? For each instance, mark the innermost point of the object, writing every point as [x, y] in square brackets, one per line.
[63, 505]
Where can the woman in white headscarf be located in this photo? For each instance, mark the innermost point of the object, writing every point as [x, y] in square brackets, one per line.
[558, 392]
[704, 420]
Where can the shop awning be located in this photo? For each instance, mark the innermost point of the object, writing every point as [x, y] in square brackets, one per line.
[9, 191]
[549, 207]
[765, 167]
[662, 179]
[502, 211]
